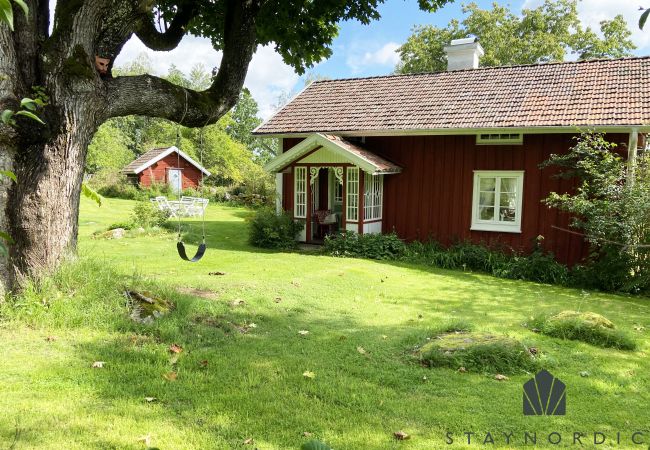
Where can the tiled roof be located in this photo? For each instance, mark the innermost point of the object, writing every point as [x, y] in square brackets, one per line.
[143, 159]
[586, 93]
[353, 153]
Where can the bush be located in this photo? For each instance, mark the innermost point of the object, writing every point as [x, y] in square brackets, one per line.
[372, 246]
[477, 352]
[113, 184]
[271, 230]
[145, 214]
[582, 326]
[537, 266]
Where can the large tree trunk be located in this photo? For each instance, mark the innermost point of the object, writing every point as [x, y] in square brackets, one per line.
[43, 206]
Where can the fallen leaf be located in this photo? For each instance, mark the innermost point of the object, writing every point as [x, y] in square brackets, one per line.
[216, 273]
[424, 378]
[146, 440]
[309, 374]
[303, 332]
[248, 441]
[98, 365]
[252, 325]
[175, 348]
[500, 377]
[204, 363]
[584, 374]
[170, 376]
[401, 436]
[383, 336]
[173, 359]
[307, 434]
[150, 399]
[462, 369]
[361, 350]
[533, 350]
[296, 283]
[237, 302]
[50, 338]
[277, 299]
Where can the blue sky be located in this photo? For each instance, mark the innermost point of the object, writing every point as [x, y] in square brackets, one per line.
[362, 50]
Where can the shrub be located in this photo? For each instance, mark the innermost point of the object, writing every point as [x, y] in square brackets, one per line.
[372, 246]
[582, 326]
[271, 230]
[113, 184]
[537, 266]
[477, 352]
[145, 214]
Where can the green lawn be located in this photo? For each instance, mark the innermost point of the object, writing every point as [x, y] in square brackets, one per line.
[233, 386]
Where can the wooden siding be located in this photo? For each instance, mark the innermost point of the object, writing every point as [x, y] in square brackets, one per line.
[157, 172]
[432, 197]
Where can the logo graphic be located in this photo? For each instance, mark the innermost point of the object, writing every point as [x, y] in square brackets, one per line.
[544, 395]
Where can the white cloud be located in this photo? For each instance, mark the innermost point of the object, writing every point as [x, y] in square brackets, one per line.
[268, 76]
[592, 12]
[359, 60]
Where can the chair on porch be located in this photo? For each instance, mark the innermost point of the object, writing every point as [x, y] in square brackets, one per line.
[325, 220]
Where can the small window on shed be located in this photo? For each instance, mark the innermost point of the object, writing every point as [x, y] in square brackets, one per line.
[500, 139]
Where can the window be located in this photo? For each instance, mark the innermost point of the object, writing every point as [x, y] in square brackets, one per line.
[497, 201]
[373, 196]
[352, 205]
[500, 139]
[338, 192]
[300, 192]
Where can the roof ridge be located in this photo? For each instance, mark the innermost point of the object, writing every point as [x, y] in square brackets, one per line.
[488, 68]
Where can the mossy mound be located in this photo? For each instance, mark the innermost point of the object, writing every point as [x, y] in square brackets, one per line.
[477, 352]
[145, 307]
[588, 327]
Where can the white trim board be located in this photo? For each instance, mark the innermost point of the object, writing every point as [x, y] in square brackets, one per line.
[168, 152]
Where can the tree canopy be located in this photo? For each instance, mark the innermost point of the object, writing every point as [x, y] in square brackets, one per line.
[544, 34]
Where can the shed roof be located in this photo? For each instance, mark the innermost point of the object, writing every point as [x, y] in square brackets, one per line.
[596, 93]
[151, 157]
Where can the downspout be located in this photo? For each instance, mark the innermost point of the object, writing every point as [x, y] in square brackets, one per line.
[631, 154]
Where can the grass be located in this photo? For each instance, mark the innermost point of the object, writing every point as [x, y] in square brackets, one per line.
[588, 327]
[240, 373]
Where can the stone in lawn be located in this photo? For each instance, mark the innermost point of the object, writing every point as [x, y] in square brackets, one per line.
[118, 233]
[145, 308]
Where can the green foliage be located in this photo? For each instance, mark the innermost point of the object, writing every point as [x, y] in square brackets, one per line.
[111, 183]
[611, 207]
[271, 230]
[7, 14]
[582, 326]
[542, 34]
[315, 445]
[109, 149]
[477, 352]
[90, 193]
[146, 215]
[643, 19]
[537, 266]
[372, 246]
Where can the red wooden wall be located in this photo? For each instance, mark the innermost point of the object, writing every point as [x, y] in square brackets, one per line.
[157, 172]
[432, 197]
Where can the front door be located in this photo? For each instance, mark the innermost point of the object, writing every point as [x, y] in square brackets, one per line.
[175, 180]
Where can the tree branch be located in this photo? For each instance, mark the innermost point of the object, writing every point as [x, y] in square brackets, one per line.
[155, 97]
[170, 39]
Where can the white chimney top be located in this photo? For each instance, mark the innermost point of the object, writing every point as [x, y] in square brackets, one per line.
[463, 54]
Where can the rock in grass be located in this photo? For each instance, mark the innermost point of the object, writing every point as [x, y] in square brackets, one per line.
[588, 327]
[145, 307]
[477, 352]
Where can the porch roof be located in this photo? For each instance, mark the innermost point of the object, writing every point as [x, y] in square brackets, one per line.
[364, 159]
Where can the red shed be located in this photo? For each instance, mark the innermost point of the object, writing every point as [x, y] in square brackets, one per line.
[452, 155]
[166, 165]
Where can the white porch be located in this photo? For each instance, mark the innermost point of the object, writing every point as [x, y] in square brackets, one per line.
[336, 185]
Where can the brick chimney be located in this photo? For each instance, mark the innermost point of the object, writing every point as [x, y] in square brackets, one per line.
[463, 54]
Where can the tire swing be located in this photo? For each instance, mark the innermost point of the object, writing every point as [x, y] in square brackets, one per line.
[180, 246]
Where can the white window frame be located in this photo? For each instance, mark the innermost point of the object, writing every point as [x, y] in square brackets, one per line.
[300, 192]
[352, 194]
[497, 225]
[499, 139]
[373, 196]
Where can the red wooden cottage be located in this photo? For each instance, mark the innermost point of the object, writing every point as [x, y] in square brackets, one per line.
[166, 165]
[452, 155]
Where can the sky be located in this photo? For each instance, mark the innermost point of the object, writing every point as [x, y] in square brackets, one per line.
[361, 50]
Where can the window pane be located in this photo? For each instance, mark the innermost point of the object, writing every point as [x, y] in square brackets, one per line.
[486, 213]
[508, 200]
[487, 184]
[507, 214]
[508, 185]
[486, 199]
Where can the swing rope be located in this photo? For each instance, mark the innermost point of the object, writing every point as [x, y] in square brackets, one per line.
[180, 246]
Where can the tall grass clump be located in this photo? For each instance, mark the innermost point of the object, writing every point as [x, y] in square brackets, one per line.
[588, 327]
[372, 246]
